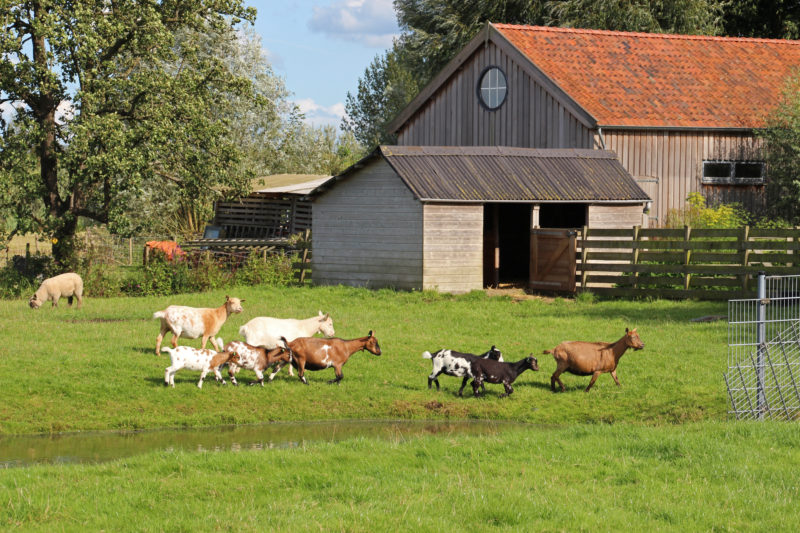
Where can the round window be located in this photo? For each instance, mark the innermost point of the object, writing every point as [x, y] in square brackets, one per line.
[492, 88]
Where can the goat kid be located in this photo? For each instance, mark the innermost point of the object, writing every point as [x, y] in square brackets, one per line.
[591, 358]
[313, 353]
[457, 364]
[255, 358]
[497, 372]
[193, 322]
[197, 359]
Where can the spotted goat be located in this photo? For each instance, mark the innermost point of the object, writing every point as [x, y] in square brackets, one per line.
[186, 357]
[456, 364]
[255, 358]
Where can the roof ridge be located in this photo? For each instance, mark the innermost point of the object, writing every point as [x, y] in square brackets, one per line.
[556, 29]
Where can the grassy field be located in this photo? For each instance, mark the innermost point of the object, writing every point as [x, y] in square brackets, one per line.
[702, 476]
[94, 369]
[659, 453]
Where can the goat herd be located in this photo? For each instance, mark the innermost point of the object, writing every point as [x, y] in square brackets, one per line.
[274, 342]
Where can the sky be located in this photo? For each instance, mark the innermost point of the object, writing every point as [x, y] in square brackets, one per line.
[322, 47]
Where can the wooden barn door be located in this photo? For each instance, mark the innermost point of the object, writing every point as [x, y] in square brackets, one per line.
[553, 259]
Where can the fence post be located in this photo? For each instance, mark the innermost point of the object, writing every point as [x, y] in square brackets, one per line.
[761, 342]
[745, 256]
[687, 256]
[584, 256]
[635, 254]
[130, 251]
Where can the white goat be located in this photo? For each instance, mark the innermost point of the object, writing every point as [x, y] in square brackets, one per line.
[66, 285]
[197, 359]
[267, 332]
[193, 322]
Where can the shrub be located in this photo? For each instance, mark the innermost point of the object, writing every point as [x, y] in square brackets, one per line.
[275, 270]
[698, 215]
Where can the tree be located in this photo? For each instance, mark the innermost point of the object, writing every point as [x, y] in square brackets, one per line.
[775, 19]
[117, 99]
[386, 88]
[782, 145]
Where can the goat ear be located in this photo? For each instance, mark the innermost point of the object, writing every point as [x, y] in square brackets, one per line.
[627, 332]
[326, 317]
[369, 334]
[242, 300]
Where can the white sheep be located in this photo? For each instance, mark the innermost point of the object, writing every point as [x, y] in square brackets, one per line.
[193, 322]
[197, 359]
[66, 285]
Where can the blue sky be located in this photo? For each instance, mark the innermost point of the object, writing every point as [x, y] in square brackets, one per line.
[321, 48]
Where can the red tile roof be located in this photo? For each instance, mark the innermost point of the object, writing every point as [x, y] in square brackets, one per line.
[659, 80]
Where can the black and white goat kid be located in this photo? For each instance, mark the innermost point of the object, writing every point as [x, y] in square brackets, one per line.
[456, 364]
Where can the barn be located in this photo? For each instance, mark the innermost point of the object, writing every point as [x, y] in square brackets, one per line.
[678, 110]
[461, 218]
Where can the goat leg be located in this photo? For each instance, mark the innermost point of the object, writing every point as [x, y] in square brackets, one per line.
[338, 378]
[614, 375]
[463, 384]
[594, 378]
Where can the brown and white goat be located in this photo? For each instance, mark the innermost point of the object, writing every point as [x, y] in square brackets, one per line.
[591, 358]
[255, 358]
[193, 322]
[313, 353]
[197, 359]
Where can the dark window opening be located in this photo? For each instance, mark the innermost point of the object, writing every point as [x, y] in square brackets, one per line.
[562, 215]
[733, 172]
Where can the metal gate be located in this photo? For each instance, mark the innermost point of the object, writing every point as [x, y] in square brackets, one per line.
[553, 260]
[763, 377]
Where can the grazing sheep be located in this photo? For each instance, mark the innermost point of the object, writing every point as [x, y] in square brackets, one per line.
[193, 322]
[266, 331]
[197, 359]
[591, 358]
[496, 372]
[67, 285]
[255, 358]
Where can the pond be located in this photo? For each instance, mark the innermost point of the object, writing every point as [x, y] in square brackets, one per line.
[95, 447]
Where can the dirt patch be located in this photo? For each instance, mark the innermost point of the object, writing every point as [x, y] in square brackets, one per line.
[433, 405]
[100, 320]
[516, 293]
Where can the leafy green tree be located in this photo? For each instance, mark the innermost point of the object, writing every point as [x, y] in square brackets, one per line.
[782, 142]
[775, 19]
[116, 99]
[693, 17]
[386, 88]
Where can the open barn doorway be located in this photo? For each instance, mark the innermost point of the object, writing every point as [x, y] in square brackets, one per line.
[506, 244]
[562, 215]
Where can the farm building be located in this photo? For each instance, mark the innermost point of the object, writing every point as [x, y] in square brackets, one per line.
[278, 207]
[460, 218]
[678, 111]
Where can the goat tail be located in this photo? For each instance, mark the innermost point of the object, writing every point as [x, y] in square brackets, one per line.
[243, 331]
[547, 351]
[167, 349]
[286, 344]
[427, 355]
[158, 314]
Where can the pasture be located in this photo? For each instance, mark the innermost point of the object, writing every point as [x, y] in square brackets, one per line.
[657, 453]
[94, 369]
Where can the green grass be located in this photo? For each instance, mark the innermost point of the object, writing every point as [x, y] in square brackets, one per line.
[694, 477]
[94, 369]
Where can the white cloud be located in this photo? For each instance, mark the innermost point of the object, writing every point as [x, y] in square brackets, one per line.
[369, 22]
[64, 111]
[317, 115]
[8, 109]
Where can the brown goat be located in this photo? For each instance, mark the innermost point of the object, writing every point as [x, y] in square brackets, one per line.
[255, 358]
[591, 358]
[314, 353]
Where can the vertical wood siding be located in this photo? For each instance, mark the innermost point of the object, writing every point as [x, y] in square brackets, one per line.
[530, 117]
[615, 216]
[675, 159]
[367, 231]
[453, 247]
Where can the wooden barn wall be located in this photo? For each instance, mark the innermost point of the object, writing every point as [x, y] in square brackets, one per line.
[529, 118]
[616, 216]
[668, 165]
[367, 231]
[452, 247]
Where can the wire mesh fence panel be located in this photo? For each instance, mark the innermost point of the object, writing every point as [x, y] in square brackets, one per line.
[763, 377]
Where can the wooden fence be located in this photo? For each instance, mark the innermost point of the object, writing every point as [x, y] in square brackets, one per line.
[683, 263]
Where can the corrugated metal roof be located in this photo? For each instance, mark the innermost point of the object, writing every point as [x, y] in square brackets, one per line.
[504, 174]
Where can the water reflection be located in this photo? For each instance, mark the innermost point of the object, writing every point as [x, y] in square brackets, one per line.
[106, 446]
